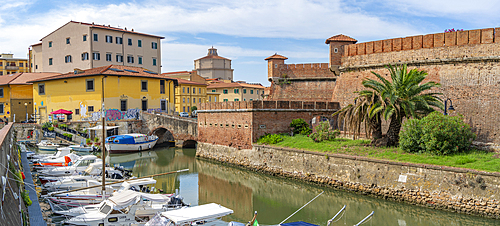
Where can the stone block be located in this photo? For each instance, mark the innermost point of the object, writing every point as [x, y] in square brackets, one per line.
[438, 39]
[474, 36]
[361, 48]
[428, 41]
[397, 44]
[462, 38]
[377, 47]
[283, 104]
[407, 43]
[296, 104]
[487, 35]
[496, 38]
[387, 45]
[417, 42]
[269, 104]
[308, 105]
[450, 39]
[369, 48]
[320, 105]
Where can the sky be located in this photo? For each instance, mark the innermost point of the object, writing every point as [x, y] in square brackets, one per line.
[245, 31]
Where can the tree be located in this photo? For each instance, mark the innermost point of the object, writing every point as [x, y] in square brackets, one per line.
[403, 97]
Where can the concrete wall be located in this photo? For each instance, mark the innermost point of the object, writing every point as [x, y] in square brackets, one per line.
[451, 189]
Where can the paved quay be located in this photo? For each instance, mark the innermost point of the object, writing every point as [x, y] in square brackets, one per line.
[35, 213]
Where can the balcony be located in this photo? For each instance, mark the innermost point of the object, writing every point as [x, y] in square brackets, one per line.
[11, 67]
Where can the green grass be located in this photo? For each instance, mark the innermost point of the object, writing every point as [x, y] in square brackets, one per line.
[473, 159]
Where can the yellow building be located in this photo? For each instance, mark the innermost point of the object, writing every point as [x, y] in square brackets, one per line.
[236, 91]
[127, 92]
[16, 95]
[11, 65]
[188, 94]
[186, 75]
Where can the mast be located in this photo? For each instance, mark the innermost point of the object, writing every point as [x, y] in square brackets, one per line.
[103, 147]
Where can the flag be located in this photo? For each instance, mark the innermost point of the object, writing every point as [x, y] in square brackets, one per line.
[255, 223]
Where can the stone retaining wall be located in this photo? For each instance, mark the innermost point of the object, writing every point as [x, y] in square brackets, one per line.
[451, 189]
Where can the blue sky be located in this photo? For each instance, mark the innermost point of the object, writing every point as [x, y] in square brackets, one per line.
[246, 31]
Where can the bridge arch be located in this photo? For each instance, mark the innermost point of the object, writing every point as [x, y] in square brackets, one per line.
[189, 144]
[165, 136]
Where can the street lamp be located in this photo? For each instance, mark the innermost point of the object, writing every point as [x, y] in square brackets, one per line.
[26, 106]
[450, 109]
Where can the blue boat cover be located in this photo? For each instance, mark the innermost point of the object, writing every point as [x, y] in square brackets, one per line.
[298, 223]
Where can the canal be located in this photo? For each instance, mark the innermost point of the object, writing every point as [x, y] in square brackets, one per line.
[274, 198]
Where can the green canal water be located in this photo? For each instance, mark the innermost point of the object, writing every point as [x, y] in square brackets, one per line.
[274, 198]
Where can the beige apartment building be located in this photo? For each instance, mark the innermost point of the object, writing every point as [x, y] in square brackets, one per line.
[236, 91]
[11, 65]
[85, 46]
[214, 66]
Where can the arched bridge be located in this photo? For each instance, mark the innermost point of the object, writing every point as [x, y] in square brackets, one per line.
[171, 128]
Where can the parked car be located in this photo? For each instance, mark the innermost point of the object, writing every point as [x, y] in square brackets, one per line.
[194, 114]
[184, 114]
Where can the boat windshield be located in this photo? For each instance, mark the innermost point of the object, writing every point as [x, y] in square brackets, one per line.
[77, 162]
[105, 208]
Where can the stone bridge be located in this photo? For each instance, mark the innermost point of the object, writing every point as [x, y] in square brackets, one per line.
[171, 128]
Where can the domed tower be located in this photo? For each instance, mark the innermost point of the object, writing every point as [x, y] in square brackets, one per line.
[337, 44]
[214, 66]
[274, 63]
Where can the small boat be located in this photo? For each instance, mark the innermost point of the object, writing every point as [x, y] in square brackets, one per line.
[82, 147]
[190, 216]
[57, 154]
[130, 143]
[61, 161]
[92, 172]
[47, 145]
[79, 166]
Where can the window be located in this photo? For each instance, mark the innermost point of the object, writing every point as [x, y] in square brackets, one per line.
[67, 59]
[236, 91]
[97, 56]
[90, 108]
[162, 86]
[84, 38]
[163, 105]
[184, 109]
[183, 89]
[77, 111]
[194, 100]
[1, 108]
[50, 61]
[36, 66]
[154, 61]
[257, 92]
[215, 99]
[109, 39]
[209, 99]
[213, 91]
[335, 50]
[188, 89]
[154, 45]
[1, 72]
[251, 91]
[144, 105]
[188, 100]
[199, 100]
[194, 90]
[236, 99]
[251, 99]
[244, 99]
[183, 100]
[50, 44]
[244, 91]
[119, 58]
[199, 90]
[119, 40]
[139, 43]
[96, 37]
[1, 92]
[224, 91]
[129, 41]
[225, 100]
[130, 59]
[21, 65]
[108, 56]
[123, 105]
[67, 41]
[144, 85]
[139, 58]
[90, 84]
[1, 64]
[85, 56]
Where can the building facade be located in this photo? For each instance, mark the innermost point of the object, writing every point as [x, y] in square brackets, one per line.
[85, 46]
[189, 94]
[11, 65]
[214, 66]
[127, 92]
[236, 91]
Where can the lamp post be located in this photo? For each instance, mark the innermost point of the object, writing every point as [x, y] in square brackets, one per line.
[26, 106]
[450, 109]
[103, 147]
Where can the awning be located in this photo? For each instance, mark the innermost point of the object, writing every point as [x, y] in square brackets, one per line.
[61, 111]
[99, 127]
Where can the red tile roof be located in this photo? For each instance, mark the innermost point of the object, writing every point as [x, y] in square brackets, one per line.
[37, 44]
[113, 70]
[276, 56]
[104, 27]
[213, 57]
[23, 78]
[176, 72]
[233, 84]
[187, 82]
[340, 38]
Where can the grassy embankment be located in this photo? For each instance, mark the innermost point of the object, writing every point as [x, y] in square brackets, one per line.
[473, 159]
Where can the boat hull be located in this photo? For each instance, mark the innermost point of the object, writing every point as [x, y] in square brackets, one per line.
[127, 144]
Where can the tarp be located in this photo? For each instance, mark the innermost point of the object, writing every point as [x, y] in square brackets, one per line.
[197, 213]
[126, 198]
[61, 111]
[99, 127]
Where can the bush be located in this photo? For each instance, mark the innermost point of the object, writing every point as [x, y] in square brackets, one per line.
[63, 126]
[299, 126]
[68, 135]
[46, 125]
[436, 134]
[323, 132]
[26, 197]
[51, 128]
[270, 139]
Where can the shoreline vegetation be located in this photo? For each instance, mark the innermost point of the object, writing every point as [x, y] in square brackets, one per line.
[473, 159]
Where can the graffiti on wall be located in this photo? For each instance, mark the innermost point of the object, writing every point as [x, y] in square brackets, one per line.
[115, 114]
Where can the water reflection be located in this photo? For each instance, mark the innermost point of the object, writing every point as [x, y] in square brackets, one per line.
[275, 198]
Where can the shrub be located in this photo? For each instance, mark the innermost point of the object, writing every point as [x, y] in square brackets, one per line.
[26, 197]
[299, 126]
[68, 135]
[46, 125]
[51, 128]
[63, 126]
[270, 139]
[88, 141]
[323, 132]
[436, 134]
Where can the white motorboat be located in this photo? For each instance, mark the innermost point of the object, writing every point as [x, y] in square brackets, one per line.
[93, 171]
[130, 143]
[83, 147]
[124, 208]
[57, 154]
[59, 161]
[47, 145]
[80, 165]
[190, 215]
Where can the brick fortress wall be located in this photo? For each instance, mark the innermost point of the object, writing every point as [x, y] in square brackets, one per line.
[464, 62]
[239, 124]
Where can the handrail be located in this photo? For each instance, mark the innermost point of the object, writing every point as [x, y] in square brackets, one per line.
[302, 207]
[371, 214]
[333, 218]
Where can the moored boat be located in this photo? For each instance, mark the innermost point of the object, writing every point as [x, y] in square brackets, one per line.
[47, 145]
[130, 143]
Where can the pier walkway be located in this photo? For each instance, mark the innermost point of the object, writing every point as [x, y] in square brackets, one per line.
[35, 213]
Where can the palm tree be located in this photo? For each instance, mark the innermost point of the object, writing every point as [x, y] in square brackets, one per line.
[403, 97]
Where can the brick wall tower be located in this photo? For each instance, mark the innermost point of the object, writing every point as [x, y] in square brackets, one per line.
[337, 44]
[274, 63]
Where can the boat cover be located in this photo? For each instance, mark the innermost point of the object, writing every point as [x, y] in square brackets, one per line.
[197, 213]
[298, 223]
[128, 197]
